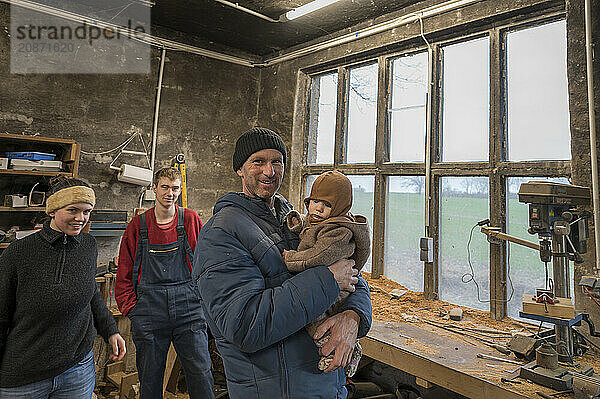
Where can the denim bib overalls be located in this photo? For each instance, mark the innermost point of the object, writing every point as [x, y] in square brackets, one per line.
[168, 309]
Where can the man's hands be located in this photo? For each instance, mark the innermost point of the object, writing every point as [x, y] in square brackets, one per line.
[343, 328]
[117, 345]
[345, 274]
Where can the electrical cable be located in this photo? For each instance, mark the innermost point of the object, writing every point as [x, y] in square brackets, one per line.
[124, 143]
[512, 286]
[590, 295]
[422, 32]
[468, 277]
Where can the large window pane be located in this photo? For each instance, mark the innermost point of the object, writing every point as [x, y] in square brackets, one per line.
[527, 271]
[362, 114]
[323, 105]
[404, 226]
[408, 108]
[466, 99]
[464, 201]
[538, 97]
[363, 188]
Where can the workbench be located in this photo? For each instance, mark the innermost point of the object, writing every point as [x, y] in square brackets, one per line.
[438, 358]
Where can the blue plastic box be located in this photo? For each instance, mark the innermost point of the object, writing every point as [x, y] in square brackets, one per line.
[32, 156]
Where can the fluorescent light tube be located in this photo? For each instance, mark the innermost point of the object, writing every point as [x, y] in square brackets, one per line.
[309, 7]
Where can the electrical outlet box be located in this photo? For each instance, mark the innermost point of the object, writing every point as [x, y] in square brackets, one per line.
[149, 195]
[426, 246]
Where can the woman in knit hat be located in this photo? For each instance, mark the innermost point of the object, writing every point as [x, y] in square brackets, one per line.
[50, 307]
[328, 233]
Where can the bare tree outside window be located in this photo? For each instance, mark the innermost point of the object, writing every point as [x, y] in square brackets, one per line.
[362, 114]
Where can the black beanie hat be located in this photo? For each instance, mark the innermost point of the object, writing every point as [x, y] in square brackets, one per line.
[256, 139]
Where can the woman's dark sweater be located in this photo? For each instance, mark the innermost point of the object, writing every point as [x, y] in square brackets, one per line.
[50, 306]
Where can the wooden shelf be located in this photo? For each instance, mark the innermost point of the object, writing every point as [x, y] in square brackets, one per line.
[14, 181]
[34, 139]
[26, 209]
[33, 173]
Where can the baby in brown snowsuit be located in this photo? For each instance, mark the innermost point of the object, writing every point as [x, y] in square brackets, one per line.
[328, 233]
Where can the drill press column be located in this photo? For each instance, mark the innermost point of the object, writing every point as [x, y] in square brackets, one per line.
[560, 266]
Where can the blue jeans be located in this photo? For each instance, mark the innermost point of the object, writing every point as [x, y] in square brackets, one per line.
[75, 383]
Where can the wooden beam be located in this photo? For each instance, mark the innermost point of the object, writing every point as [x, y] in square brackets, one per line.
[299, 138]
[378, 251]
[431, 269]
[382, 144]
[171, 358]
[341, 140]
[127, 382]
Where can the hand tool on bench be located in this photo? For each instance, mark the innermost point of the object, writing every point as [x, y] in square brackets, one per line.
[490, 357]
[500, 348]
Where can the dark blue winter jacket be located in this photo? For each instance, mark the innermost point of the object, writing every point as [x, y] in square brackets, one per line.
[257, 310]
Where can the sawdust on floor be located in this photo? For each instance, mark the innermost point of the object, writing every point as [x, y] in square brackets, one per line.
[388, 308]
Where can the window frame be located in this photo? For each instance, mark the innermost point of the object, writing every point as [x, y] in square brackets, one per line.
[497, 168]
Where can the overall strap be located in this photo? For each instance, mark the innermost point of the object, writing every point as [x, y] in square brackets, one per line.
[141, 245]
[180, 225]
[182, 235]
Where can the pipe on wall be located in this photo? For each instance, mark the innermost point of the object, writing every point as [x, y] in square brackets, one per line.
[592, 122]
[157, 107]
[247, 10]
[173, 45]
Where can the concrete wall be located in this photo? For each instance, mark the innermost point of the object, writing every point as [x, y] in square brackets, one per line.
[580, 134]
[205, 105]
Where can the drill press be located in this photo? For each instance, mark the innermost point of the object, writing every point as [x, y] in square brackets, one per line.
[562, 231]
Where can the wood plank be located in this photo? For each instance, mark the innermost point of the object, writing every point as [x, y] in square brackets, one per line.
[171, 358]
[563, 309]
[341, 139]
[33, 173]
[381, 157]
[423, 383]
[26, 209]
[20, 137]
[172, 383]
[115, 378]
[115, 367]
[126, 383]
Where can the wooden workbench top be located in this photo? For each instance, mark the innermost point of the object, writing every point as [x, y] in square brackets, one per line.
[408, 334]
[450, 363]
